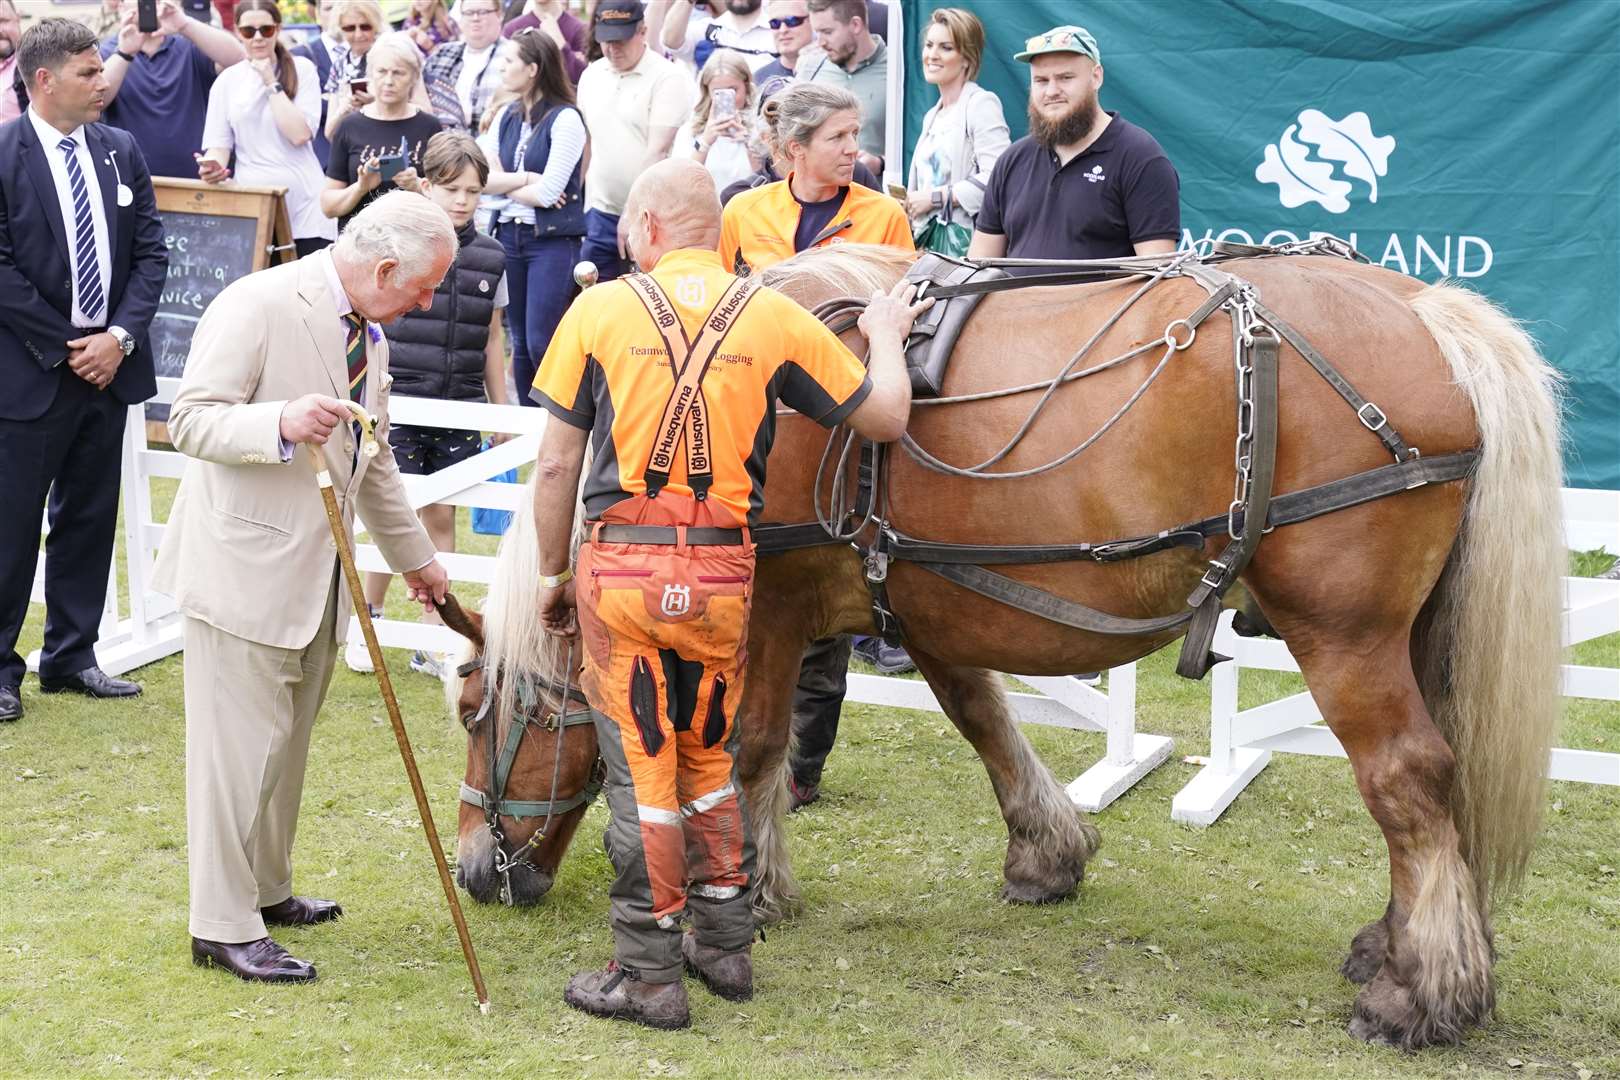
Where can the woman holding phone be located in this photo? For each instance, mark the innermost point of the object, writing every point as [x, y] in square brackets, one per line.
[266, 111]
[538, 144]
[380, 147]
[348, 88]
[716, 136]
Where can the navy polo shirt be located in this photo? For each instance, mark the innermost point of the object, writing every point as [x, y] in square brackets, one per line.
[163, 103]
[1118, 192]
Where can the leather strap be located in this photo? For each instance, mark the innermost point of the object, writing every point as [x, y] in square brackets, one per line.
[1039, 602]
[669, 535]
[685, 414]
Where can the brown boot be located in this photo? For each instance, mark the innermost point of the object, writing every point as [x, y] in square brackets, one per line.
[729, 974]
[614, 995]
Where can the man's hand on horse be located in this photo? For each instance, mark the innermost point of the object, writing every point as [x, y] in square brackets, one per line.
[428, 585]
[890, 315]
[557, 612]
[312, 418]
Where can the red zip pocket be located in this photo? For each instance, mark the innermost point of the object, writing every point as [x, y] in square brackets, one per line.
[621, 573]
[723, 579]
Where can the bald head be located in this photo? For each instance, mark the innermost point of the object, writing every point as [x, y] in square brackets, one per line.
[673, 204]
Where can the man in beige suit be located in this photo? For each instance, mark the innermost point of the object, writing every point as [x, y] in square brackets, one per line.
[248, 554]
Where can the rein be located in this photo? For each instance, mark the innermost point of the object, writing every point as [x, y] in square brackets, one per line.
[1257, 334]
[529, 713]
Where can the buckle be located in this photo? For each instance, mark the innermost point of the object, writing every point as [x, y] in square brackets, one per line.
[1214, 575]
[1366, 415]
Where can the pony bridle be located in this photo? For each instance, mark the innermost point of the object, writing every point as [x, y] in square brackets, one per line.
[530, 711]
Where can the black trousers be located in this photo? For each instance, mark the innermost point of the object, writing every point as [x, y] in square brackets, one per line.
[817, 701]
[69, 458]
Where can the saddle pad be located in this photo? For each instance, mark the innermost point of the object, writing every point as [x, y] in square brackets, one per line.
[934, 334]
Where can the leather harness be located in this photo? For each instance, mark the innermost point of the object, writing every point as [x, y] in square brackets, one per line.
[1257, 334]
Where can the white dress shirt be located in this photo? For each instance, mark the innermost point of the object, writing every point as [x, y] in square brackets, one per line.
[49, 137]
[478, 80]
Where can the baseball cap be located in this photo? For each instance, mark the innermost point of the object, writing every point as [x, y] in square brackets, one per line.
[1073, 39]
[617, 20]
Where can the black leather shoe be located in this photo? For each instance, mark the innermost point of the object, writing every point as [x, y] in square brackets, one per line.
[300, 911]
[254, 961]
[10, 703]
[91, 682]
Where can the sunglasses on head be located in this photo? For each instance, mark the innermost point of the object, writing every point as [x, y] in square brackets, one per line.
[788, 21]
[247, 32]
[354, 28]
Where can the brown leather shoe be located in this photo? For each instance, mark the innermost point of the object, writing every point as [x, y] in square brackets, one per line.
[728, 973]
[301, 911]
[255, 961]
[614, 995]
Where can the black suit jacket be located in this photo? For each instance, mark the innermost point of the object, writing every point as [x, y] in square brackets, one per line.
[36, 273]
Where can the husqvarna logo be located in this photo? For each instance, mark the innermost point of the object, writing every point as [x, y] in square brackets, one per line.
[677, 600]
[1307, 161]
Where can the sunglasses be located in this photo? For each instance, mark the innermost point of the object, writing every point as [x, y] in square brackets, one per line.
[247, 32]
[354, 28]
[477, 13]
[788, 21]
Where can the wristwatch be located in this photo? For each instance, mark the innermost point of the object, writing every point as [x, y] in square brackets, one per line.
[128, 58]
[125, 342]
[275, 88]
[551, 581]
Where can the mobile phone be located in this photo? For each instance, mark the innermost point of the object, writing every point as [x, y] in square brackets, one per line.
[897, 191]
[359, 85]
[390, 166]
[146, 20]
[725, 102]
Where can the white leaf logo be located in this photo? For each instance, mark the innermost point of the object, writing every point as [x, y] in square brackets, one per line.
[1302, 178]
[1351, 142]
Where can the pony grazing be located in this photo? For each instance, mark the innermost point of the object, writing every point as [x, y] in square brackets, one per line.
[532, 766]
[1084, 441]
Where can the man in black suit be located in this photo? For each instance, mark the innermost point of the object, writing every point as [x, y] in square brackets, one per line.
[82, 263]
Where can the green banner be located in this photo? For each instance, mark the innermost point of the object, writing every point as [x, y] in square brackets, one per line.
[1468, 139]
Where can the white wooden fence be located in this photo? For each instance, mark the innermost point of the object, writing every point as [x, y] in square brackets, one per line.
[146, 627]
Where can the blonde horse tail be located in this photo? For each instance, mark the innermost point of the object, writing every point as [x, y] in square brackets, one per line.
[1487, 647]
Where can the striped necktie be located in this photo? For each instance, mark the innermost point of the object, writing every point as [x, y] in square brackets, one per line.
[355, 340]
[91, 298]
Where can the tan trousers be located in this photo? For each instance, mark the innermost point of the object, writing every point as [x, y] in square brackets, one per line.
[250, 709]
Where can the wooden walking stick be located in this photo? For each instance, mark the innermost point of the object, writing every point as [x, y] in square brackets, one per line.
[340, 536]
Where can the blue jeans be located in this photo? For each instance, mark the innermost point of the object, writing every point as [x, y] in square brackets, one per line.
[539, 284]
[602, 244]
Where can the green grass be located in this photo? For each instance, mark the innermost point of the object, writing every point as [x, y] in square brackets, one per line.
[1186, 953]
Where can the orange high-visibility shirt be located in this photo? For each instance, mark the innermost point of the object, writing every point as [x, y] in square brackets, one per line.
[757, 227]
[608, 371]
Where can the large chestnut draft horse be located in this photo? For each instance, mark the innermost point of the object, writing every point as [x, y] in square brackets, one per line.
[1425, 622]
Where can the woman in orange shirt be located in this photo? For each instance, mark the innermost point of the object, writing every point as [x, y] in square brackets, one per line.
[814, 129]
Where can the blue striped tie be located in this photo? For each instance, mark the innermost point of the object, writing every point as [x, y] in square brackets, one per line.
[89, 275]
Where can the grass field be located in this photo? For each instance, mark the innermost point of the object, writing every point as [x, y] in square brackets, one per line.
[1186, 953]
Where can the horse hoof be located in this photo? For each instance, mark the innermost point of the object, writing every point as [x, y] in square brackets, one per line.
[1367, 951]
[1368, 1030]
[1030, 893]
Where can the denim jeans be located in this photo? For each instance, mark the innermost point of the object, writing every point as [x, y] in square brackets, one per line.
[602, 245]
[539, 285]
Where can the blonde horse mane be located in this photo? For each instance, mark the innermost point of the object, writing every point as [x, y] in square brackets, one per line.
[514, 638]
[839, 270]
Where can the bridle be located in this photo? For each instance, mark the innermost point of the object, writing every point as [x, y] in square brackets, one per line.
[531, 710]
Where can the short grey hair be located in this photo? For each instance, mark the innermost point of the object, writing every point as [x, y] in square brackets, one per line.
[49, 44]
[797, 113]
[401, 225]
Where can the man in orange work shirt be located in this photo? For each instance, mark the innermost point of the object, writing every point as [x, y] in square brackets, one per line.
[672, 375]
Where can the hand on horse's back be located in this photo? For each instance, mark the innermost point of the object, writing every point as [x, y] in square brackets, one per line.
[886, 322]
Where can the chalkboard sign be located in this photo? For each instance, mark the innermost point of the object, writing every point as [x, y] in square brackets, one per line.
[215, 234]
[206, 253]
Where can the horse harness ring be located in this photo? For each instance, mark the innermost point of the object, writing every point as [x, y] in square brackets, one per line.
[494, 803]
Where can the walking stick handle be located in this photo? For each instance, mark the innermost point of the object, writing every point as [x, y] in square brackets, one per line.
[340, 537]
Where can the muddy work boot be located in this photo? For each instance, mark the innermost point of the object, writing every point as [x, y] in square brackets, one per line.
[614, 995]
[726, 972]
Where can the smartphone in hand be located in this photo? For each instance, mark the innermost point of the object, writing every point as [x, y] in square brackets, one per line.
[725, 102]
[390, 166]
[359, 86]
[146, 20]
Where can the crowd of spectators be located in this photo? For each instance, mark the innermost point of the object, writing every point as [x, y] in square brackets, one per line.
[529, 121]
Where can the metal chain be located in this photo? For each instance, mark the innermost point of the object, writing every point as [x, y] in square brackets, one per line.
[1241, 309]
